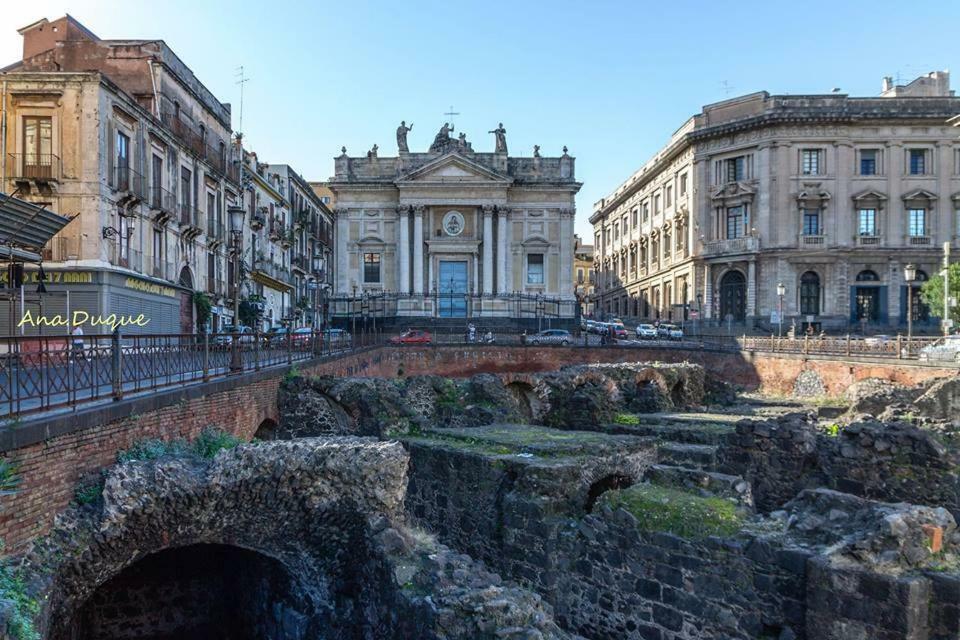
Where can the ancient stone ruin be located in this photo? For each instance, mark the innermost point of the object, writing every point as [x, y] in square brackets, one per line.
[639, 501]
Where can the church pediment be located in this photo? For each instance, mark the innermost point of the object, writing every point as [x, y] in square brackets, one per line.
[453, 168]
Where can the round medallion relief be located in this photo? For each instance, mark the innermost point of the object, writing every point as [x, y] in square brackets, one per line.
[453, 223]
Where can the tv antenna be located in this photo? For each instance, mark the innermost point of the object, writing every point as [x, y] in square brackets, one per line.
[451, 113]
[242, 79]
[726, 87]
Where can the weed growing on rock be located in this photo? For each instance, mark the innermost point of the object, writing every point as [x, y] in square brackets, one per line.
[207, 445]
[23, 608]
[678, 512]
[832, 430]
[292, 374]
[211, 441]
[89, 491]
[626, 418]
[9, 477]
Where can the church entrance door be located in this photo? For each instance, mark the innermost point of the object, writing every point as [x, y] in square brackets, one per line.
[452, 286]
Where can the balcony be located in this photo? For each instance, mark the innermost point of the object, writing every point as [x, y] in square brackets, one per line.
[61, 249]
[258, 220]
[38, 167]
[301, 263]
[189, 218]
[919, 241]
[128, 180]
[216, 233]
[272, 269]
[733, 246]
[812, 241]
[868, 241]
[184, 130]
[127, 258]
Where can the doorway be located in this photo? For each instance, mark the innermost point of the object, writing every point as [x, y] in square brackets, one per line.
[452, 287]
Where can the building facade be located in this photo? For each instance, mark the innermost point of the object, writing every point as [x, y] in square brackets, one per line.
[453, 232]
[829, 196]
[124, 136]
[583, 275]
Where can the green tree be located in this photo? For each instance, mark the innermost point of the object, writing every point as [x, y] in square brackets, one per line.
[932, 292]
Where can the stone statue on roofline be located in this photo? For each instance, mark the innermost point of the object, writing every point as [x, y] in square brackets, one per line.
[442, 141]
[402, 136]
[501, 135]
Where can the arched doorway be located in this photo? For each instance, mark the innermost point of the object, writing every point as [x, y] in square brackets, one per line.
[197, 592]
[267, 430]
[186, 300]
[733, 296]
[867, 297]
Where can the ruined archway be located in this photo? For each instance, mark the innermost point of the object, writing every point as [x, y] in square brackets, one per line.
[678, 393]
[197, 592]
[607, 483]
[267, 430]
[298, 517]
[526, 398]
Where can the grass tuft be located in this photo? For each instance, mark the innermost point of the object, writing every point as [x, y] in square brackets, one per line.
[678, 512]
[24, 608]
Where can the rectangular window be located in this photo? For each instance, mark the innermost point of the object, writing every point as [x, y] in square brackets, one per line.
[868, 162]
[626, 227]
[579, 276]
[371, 268]
[734, 222]
[810, 162]
[158, 253]
[633, 215]
[668, 196]
[666, 244]
[185, 217]
[656, 204]
[616, 231]
[918, 222]
[918, 162]
[535, 268]
[156, 182]
[735, 169]
[811, 222]
[37, 146]
[646, 211]
[683, 184]
[867, 222]
[122, 162]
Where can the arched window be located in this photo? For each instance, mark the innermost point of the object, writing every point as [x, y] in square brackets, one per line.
[867, 276]
[810, 294]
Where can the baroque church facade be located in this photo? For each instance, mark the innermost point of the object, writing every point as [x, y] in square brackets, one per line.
[452, 232]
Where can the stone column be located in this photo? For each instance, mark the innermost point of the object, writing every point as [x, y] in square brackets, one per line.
[487, 249]
[751, 288]
[342, 253]
[566, 253]
[707, 291]
[403, 249]
[502, 249]
[418, 249]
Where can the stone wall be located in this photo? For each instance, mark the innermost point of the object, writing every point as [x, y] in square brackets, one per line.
[894, 462]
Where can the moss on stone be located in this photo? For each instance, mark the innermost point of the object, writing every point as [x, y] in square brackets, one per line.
[679, 512]
[626, 418]
[24, 607]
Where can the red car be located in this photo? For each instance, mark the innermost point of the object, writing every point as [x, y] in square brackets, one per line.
[414, 336]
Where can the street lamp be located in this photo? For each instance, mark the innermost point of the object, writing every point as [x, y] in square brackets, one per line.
[781, 291]
[236, 230]
[699, 313]
[910, 275]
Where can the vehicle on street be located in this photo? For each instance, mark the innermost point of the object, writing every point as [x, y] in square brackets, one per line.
[276, 336]
[877, 340]
[619, 331]
[670, 332]
[646, 332]
[226, 336]
[551, 336]
[337, 339]
[946, 349]
[302, 336]
[412, 336]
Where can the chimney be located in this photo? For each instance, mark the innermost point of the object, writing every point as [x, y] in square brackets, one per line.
[887, 84]
[44, 35]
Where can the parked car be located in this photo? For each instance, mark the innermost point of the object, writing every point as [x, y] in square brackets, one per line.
[413, 336]
[670, 332]
[946, 349]
[302, 336]
[877, 340]
[337, 339]
[551, 336]
[226, 335]
[276, 336]
[619, 331]
[593, 326]
[646, 332]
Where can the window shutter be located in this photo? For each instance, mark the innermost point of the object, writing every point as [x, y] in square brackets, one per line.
[111, 153]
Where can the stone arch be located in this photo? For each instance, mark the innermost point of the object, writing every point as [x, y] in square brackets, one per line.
[197, 591]
[609, 482]
[526, 398]
[267, 430]
[311, 505]
[733, 295]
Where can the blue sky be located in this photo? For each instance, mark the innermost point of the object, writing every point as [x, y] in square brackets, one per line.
[612, 80]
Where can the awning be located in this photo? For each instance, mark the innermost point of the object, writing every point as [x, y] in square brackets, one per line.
[25, 225]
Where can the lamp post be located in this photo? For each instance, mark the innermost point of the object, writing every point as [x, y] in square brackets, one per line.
[236, 230]
[909, 274]
[699, 313]
[781, 291]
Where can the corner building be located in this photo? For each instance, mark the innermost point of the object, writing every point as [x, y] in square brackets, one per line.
[830, 195]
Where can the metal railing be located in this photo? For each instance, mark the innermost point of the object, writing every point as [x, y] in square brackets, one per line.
[162, 199]
[35, 166]
[44, 373]
[50, 372]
